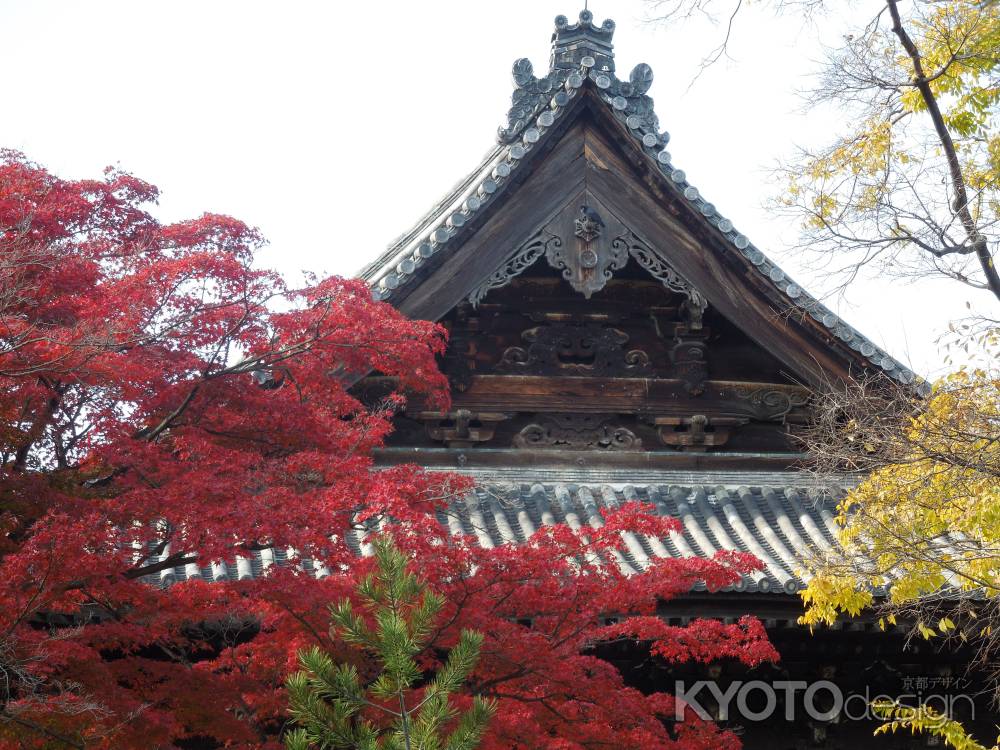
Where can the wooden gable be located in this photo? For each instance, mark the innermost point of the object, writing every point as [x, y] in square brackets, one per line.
[596, 301]
[590, 165]
[592, 307]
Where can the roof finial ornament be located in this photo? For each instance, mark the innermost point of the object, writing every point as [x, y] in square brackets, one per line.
[573, 42]
[581, 51]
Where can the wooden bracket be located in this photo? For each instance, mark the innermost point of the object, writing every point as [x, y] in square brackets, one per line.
[697, 433]
[461, 428]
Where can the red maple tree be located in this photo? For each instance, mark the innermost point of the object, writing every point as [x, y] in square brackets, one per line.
[165, 403]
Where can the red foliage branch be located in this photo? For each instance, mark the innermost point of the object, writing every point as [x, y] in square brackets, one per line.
[164, 402]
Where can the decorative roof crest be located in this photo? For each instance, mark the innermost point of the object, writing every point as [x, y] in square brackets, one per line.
[580, 51]
[572, 42]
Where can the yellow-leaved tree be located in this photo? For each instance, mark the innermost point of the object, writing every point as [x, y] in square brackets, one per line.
[911, 184]
[909, 187]
[920, 532]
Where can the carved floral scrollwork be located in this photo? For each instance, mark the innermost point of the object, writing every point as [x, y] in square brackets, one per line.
[534, 248]
[771, 403]
[577, 432]
[575, 349]
[646, 257]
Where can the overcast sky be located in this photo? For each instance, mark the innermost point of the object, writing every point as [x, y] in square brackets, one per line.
[334, 126]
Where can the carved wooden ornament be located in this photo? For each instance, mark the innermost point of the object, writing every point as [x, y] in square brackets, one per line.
[587, 243]
[588, 257]
[575, 349]
[690, 364]
[578, 432]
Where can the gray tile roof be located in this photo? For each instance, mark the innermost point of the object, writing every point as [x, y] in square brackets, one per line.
[537, 104]
[777, 522]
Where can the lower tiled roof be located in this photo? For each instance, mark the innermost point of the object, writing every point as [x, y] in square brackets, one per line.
[777, 520]
[777, 524]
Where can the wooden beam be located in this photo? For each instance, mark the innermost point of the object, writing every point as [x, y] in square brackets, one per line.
[573, 461]
[643, 396]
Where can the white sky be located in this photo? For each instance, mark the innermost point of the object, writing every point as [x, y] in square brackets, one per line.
[334, 126]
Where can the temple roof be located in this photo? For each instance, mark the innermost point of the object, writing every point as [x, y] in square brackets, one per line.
[774, 516]
[582, 67]
[750, 502]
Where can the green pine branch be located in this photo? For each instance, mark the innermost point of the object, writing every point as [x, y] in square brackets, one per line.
[334, 711]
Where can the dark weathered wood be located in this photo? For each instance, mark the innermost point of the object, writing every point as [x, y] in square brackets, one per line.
[588, 256]
[461, 428]
[698, 432]
[593, 161]
[574, 349]
[535, 339]
[588, 150]
[641, 396]
[542, 195]
[644, 206]
[489, 458]
[650, 315]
